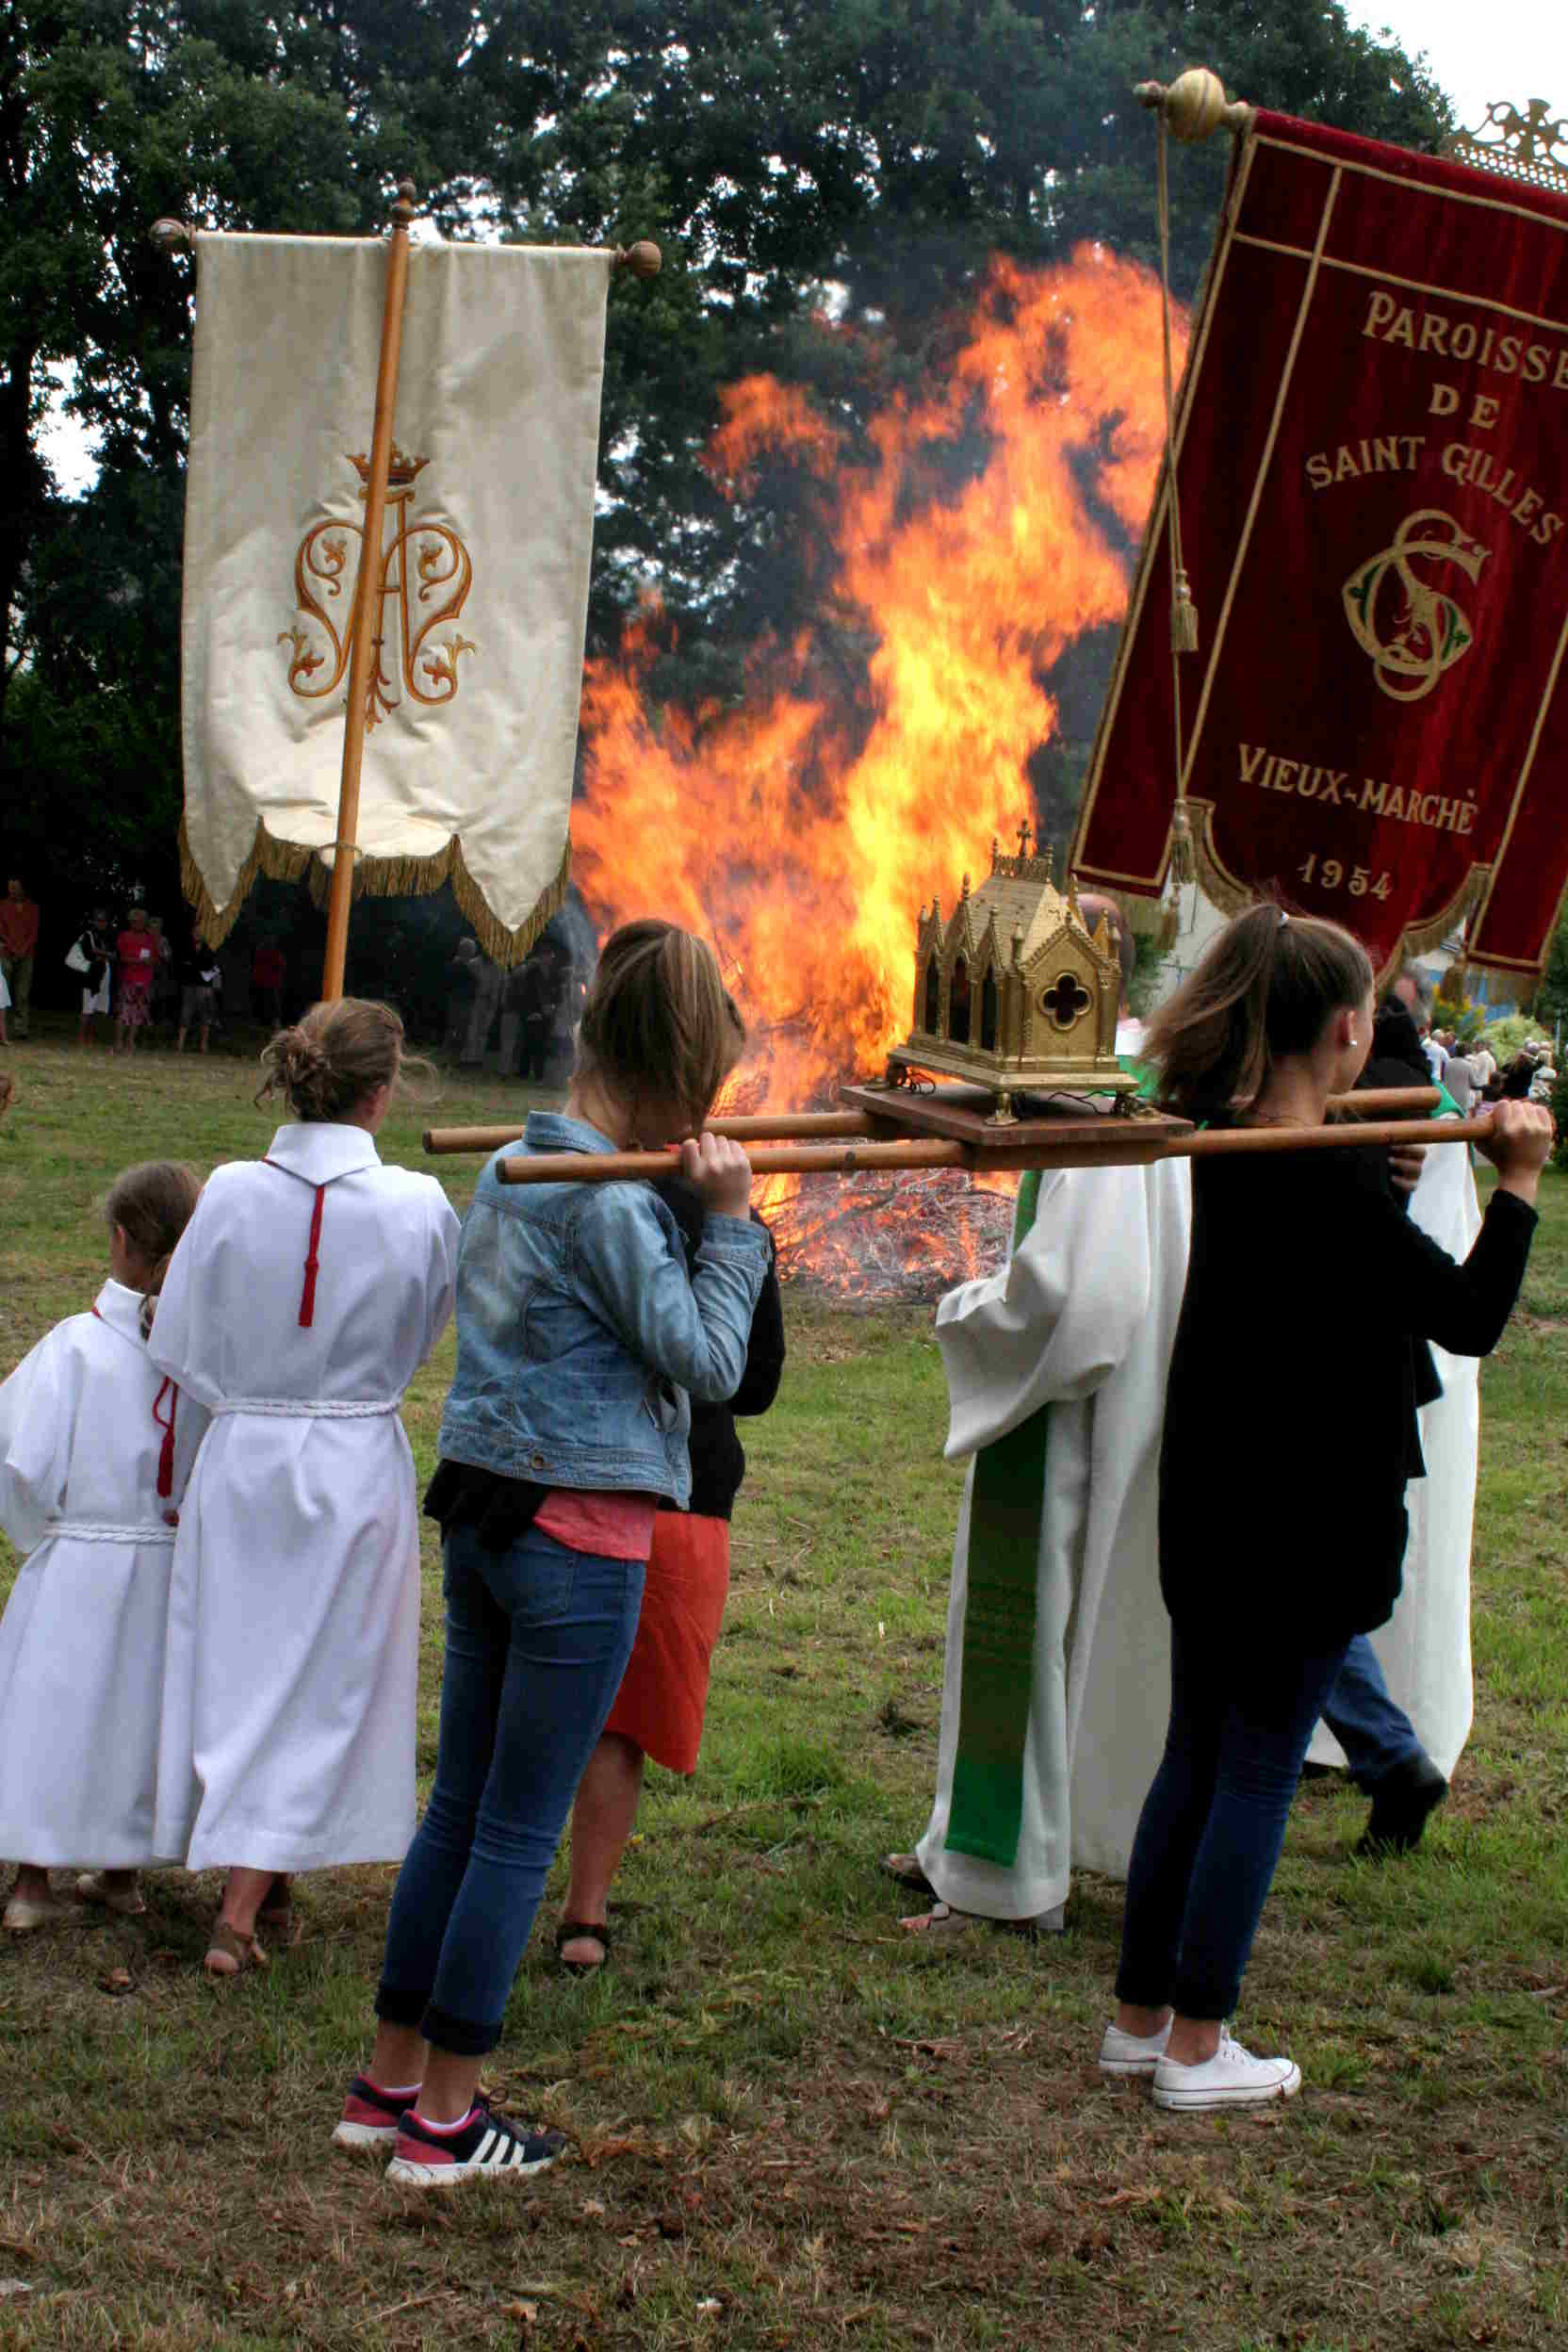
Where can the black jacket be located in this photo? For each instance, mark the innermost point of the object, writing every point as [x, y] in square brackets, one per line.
[718, 1458]
[1290, 1422]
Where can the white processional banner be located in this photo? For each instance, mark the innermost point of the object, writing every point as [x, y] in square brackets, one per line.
[481, 574]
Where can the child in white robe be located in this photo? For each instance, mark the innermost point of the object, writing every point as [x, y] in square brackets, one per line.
[310, 1287]
[96, 1444]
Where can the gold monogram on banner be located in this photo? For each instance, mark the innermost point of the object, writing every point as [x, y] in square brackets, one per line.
[1411, 630]
[424, 564]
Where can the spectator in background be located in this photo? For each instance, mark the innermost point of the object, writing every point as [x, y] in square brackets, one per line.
[1483, 1068]
[136, 952]
[166, 988]
[1459, 1078]
[1519, 1077]
[461, 981]
[269, 971]
[198, 981]
[18, 946]
[486, 1005]
[544, 996]
[92, 956]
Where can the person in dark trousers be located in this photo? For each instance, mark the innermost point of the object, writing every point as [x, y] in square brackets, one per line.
[1386, 1759]
[1308, 1293]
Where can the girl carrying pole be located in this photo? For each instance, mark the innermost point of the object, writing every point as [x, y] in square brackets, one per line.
[581, 1336]
[308, 1290]
[96, 1444]
[1308, 1291]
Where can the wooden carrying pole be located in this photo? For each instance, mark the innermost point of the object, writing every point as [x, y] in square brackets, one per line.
[368, 599]
[1122, 1146]
[820, 1126]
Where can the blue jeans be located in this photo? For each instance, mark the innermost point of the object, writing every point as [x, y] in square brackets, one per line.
[1377, 1736]
[1212, 1822]
[537, 1639]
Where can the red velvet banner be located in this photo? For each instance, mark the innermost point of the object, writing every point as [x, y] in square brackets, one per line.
[1374, 510]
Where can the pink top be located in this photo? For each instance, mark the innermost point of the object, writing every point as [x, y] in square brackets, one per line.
[616, 1525]
[136, 951]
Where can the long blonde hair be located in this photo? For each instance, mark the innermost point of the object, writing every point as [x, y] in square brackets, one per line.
[153, 1205]
[333, 1057]
[1264, 989]
[659, 1019]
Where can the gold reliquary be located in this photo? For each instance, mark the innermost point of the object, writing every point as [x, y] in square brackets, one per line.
[1016, 993]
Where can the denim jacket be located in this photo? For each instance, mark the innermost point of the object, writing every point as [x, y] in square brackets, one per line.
[579, 1332]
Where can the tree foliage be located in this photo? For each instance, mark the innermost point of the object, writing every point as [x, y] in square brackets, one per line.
[882, 149]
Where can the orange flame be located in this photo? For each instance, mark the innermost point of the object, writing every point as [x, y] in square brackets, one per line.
[801, 841]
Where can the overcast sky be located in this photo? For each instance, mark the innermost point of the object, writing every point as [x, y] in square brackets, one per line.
[1513, 49]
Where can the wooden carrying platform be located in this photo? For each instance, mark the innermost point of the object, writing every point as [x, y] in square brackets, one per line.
[1044, 1130]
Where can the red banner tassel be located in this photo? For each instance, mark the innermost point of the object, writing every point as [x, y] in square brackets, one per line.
[307, 1297]
[166, 1451]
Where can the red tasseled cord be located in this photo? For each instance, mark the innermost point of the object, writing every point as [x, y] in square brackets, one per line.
[307, 1297]
[166, 1451]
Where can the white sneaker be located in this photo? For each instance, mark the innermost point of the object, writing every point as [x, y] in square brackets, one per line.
[1232, 2078]
[1124, 2054]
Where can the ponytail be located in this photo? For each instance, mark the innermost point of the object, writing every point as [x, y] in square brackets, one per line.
[153, 1205]
[658, 1019]
[153, 1292]
[1266, 988]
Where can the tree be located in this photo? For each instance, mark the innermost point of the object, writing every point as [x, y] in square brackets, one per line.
[873, 152]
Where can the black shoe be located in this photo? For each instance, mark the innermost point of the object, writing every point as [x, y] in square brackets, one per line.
[426, 2159]
[1400, 1803]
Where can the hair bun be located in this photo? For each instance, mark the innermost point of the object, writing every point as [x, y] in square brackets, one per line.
[339, 1054]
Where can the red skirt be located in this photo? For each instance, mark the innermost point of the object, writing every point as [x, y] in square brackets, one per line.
[664, 1692]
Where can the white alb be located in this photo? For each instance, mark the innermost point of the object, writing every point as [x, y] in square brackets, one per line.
[1083, 1319]
[82, 1640]
[288, 1740]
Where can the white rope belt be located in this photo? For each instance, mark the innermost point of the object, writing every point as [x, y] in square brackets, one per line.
[109, 1531]
[310, 1408]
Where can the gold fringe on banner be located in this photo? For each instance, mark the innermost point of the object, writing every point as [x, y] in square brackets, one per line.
[1223, 888]
[375, 877]
[1232, 896]
[1421, 937]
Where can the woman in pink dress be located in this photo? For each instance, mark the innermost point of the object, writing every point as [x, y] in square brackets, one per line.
[138, 953]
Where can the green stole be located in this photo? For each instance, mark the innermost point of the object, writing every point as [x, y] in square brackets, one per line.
[1006, 1503]
[996, 1683]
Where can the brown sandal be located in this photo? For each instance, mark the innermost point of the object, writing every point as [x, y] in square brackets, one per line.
[243, 1951]
[277, 1915]
[576, 1931]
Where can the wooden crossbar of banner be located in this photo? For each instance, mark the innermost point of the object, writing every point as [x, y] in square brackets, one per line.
[824, 1126]
[1123, 1143]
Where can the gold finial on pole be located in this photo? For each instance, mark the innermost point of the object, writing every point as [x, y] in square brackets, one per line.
[1194, 106]
[643, 259]
[366, 615]
[167, 234]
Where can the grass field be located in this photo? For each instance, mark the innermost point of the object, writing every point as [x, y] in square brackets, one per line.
[789, 2125]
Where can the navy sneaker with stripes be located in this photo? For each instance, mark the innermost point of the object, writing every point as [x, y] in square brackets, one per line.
[371, 2115]
[428, 2157]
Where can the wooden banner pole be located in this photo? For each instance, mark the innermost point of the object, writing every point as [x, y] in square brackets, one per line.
[824, 1126]
[368, 598]
[1122, 1146]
